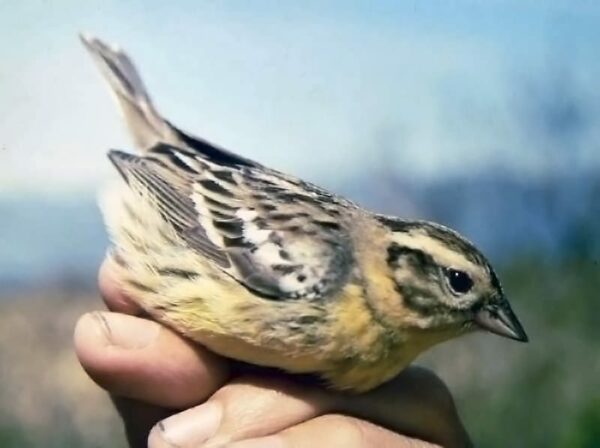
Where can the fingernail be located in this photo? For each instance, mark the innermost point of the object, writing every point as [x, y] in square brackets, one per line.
[262, 442]
[125, 331]
[192, 427]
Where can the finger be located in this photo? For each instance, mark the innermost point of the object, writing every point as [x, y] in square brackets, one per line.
[244, 408]
[334, 431]
[255, 407]
[112, 294]
[140, 359]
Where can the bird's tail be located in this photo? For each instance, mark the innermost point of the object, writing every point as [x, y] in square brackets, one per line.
[146, 125]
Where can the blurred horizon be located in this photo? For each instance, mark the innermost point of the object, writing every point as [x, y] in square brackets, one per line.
[61, 241]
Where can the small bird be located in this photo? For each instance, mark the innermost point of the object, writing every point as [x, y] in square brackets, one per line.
[268, 269]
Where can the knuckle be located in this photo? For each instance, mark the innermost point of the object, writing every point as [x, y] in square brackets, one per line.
[250, 388]
[227, 393]
[350, 432]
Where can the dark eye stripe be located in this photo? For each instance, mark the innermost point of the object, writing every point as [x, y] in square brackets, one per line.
[417, 258]
[448, 237]
[415, 297]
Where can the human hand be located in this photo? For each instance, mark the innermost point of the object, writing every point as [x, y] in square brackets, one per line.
[173, 393]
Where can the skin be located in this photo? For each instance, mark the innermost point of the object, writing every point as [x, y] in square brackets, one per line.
[193, 398]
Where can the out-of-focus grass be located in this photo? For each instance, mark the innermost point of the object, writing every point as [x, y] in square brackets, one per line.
[46, 399]
[541, 394]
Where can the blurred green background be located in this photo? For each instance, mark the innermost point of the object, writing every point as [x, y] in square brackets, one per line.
[484, 116]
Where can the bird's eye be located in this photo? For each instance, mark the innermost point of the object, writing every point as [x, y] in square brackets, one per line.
[459, 281]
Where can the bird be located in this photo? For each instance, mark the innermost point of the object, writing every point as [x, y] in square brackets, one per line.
[268, 269]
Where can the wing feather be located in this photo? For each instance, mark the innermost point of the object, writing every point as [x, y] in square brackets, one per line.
[273, 234]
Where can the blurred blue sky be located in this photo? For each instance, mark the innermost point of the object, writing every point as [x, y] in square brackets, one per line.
[482, 115]
[431, 89]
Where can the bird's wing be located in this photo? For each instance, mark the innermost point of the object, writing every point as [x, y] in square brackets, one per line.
[278, 236]
[147, 127]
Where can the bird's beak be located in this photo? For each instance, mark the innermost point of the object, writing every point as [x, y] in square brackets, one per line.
[499, 318]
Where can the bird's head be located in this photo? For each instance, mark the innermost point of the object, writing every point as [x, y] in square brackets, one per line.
[445, 282]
